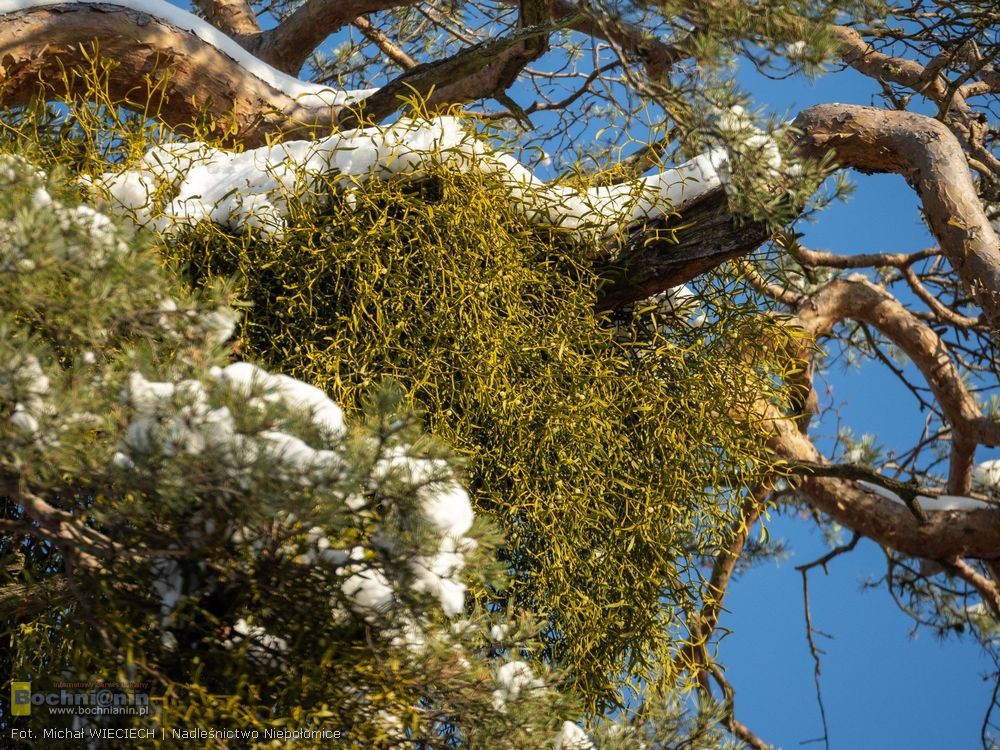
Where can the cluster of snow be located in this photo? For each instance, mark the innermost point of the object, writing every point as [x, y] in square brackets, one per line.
[745, 143]
[179, 418]
[443, 506]
[797, 50]
[190, 417]
[986, 476]
[572, 737]
[252, 188]
[24, 384]
[306, 94]
[928, 503]
[88, 237]
[262, 647]
[514, 679]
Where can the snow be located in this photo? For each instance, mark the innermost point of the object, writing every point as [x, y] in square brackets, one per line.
[796, 50]
[369, 593]
[986, 475]
[178, 418]
[572, 737]
[436, 575]
[26, 385]
[306, 94]
[250, 381]
[940, 503]
[191, 417]
[449, 509]
[499, 632]
[252, 189]
[744, 141]
[444, 503]
[262, 647]
[512, 679]
[220, 324]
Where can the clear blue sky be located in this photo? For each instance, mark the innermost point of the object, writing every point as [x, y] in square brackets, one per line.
[881, 687]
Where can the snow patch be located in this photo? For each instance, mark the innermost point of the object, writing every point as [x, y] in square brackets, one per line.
[926, 503]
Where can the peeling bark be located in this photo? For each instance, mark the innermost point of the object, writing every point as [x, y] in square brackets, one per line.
[696, 238]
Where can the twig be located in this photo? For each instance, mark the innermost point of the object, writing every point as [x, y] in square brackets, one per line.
[734, 725]
[986, 587]
[908, 492]
[815, 651]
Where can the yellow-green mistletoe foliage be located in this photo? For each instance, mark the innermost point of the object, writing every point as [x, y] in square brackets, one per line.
[613, 451]
[610, 460]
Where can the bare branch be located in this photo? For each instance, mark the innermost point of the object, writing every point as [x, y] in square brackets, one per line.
[473, 73]
[637, 43]
[776, 292]
[987, 587]
[942, 312]
[809, 257]
[859, 299]
[945, 535]
[384, 43]
[734, 725]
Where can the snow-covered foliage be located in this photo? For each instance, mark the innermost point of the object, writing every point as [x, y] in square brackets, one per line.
[180, 184]
[513, 679]
[571, 737]
[195, 418]
[986, 476]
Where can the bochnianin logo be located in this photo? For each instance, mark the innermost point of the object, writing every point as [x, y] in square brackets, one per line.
[103, 702]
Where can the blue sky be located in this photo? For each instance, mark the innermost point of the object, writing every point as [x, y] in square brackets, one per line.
[881, 687]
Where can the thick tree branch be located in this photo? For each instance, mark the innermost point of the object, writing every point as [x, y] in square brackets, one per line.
[945, 534]
[859, 299]
[380, 40]
[986, 586]
[475, 72]
[929, 157]
[234, 18]
[198, 78]
[633, 41]
[813, 258]
[926, 81]
[697, 237]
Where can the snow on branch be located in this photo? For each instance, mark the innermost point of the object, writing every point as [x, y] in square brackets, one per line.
[306, 94]
[253, 188]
